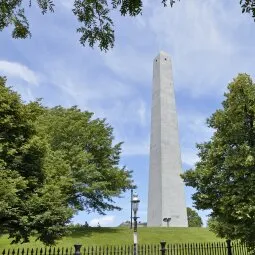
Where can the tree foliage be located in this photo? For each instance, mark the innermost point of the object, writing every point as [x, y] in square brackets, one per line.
[85, 146]
[194, 220]
[97, 26]
[53, 162]
[29, 200]
[224, 177]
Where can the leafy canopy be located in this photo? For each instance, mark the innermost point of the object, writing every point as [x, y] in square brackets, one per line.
[85, 146]
[194, 220]
[53, 162]
[97, 26]
[29, 200]
[224, 177]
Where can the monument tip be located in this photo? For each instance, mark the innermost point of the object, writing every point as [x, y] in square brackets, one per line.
[163, 53]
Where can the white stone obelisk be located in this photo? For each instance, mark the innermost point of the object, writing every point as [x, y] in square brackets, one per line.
[166, 189]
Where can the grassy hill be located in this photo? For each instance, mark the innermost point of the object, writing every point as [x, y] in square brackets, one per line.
[124, 235]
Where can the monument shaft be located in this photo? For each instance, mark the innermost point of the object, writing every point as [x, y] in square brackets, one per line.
[166, 189]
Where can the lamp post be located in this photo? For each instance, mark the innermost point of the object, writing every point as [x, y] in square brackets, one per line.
[135, 203]
[131, 210]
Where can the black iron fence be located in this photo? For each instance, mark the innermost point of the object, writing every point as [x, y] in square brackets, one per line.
[220, 248]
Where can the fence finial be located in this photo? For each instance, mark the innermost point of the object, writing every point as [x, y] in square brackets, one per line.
[77, 248]
[229, 247]
[163, 247]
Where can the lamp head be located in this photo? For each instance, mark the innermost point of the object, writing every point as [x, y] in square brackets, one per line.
[135, 202]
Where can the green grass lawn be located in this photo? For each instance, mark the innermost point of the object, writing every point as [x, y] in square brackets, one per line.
[121, 236]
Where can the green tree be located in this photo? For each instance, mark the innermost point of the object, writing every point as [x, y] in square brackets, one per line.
[28, 202]
[224, 177]
[53, 162]
[86, 147]
[97, 26]
[194, 220]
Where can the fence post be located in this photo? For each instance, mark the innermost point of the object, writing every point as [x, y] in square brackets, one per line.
[229, 247]
[77, 248]
[163, 247]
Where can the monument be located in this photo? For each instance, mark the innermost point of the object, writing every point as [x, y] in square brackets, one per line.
[166, 201]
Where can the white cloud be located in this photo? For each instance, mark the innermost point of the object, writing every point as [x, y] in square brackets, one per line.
[129, 64]
[142, 113]
[136, 148]
[193, 129]
[104, 221]
[189, 156]
[86, 86]
[128, 114]
[67, 4]
[18, 70]
[195, 25]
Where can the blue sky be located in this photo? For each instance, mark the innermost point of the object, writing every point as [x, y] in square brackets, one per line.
[209, 42]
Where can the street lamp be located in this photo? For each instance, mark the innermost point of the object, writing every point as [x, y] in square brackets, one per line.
[135, 203]
[167, 220]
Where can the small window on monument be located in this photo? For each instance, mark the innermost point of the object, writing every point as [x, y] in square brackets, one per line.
[156, 60]
[165, 58]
